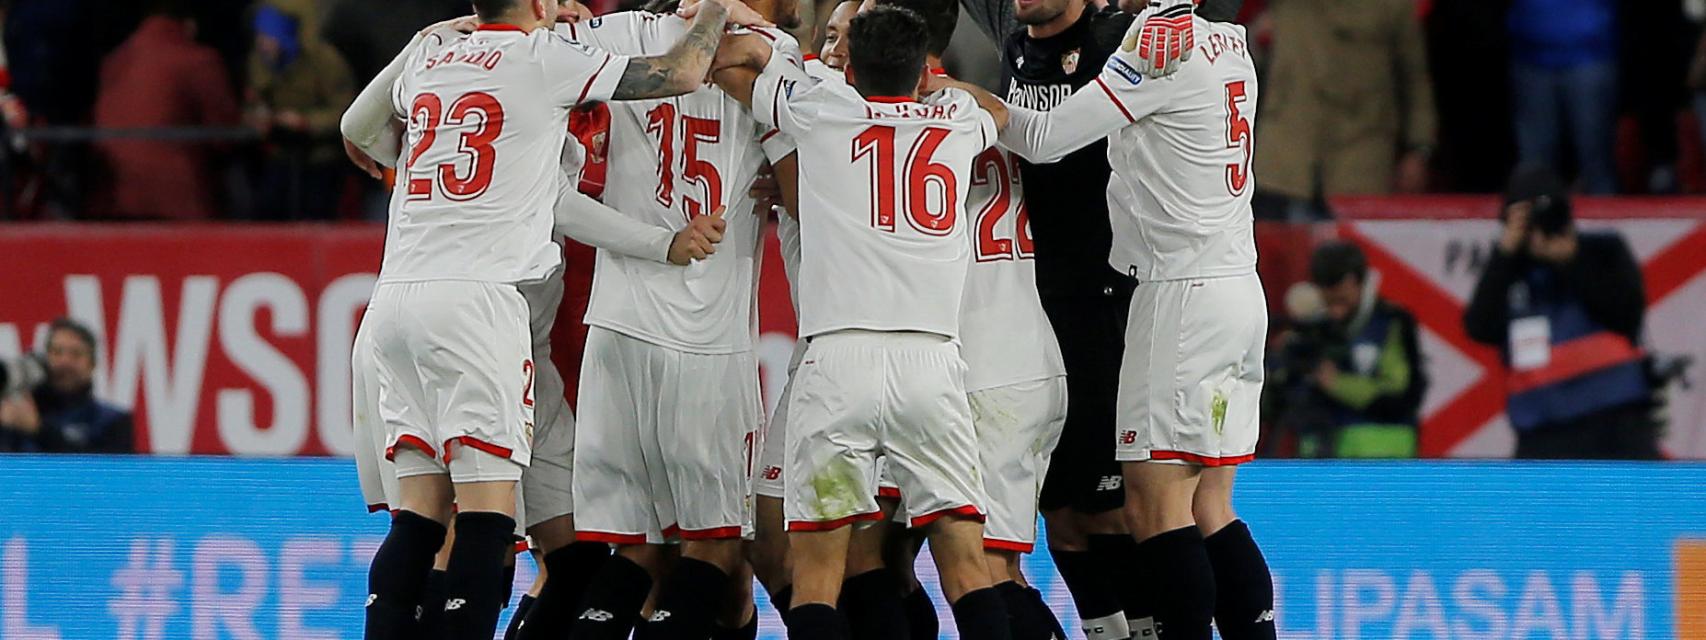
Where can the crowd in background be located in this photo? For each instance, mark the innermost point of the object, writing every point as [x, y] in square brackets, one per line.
[221, 109]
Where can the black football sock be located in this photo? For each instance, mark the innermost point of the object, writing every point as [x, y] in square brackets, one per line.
[610, 611]
[1040, 608]
[513, 631]
[921, 617]
[1119, 551]
[1093, 596]
[568, 572]
[686, 607]
[475, 576]
[871, 602]
[1183, 583]
[748, 631]
[980, 615]
[780, 599]
[1023, 621]
[432, 605]
[1243, 587]
[397, 578]
[815, 621]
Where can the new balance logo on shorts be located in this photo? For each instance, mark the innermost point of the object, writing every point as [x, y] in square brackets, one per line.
[598, 615]
[1128, 437]
[1110, 483]
[772, 472]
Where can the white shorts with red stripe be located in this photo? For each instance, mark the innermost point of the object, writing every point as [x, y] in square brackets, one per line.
[861, 393]
[1191, 380]
[454, 369]
[767, 481]
[547, 484]
[664, 442]
[377, 476]
[1018, 426]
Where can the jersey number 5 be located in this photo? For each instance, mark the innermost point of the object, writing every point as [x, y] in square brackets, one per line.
[877, 142]
[426, 115]
[1238, 136]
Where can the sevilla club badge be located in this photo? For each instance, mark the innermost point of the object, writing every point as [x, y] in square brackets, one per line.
[1069, 62]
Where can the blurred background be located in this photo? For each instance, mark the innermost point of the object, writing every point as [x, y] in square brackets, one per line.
[185, 253]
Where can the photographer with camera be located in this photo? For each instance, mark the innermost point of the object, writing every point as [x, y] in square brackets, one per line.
[1565, 308]
[1351, 382]
[52, 408]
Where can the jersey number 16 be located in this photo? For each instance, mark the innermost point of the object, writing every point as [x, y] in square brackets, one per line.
[933, 216]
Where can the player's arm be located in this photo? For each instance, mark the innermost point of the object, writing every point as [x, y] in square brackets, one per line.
[370, 124]
[1120, 96]
[985, 100]
[787, 172]
[683, 68]
[595, 224]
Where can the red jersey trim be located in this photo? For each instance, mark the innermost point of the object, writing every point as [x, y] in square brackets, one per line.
[590, 81]
[810, 56]
[610, 538]
[409, 441]
[1115, 99]
[891, 99]
[378, 507]
[962, 510]
[499, 26]
[1207, 461]
[831, 525]
[888, 492]
[768, 135]
[1008, 545]
[714, 533]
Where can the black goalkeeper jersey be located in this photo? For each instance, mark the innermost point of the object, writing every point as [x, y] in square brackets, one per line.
[1067, 200]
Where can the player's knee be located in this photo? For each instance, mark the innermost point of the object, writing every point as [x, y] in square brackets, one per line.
[1066, 531]
[725, 554]
[553, 534]
[1212, 512]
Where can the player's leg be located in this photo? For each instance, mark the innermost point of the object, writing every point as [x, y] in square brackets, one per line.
[422, 498]
[612, 489]
[932, 448]
[1082, 494]
[830, 475]
[1170, 547]
[524, 606]
[768, 552]
[569, 568]
[901, 547]
[1018, 428]
[737, 614]
[870, 588]
[1243, 585]
[706, 427]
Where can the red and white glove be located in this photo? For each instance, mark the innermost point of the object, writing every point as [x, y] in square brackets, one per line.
[1162, 36]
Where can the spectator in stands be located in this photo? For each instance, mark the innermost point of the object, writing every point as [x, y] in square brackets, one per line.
[160, 77]
[1565, 309]
[62, 415]
[1564, 86]
[1355, 384]
[368, 34]
[1347, 107]
[298, 88]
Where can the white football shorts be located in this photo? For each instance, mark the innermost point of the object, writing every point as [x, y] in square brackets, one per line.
[1191, 380]
[1018, 426]
[663, 443]
[861, 393]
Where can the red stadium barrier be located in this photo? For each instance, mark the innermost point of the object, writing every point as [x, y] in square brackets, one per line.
[235, 339]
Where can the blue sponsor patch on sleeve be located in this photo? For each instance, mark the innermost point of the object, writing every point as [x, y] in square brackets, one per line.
[1125, 70]
[788, 88]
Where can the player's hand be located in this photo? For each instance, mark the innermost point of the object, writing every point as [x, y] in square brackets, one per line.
[766, 192]
[740, 15]
[1163, 37]
[931, 83]
[464, 24]
[1515, 235]
[698, 240]
[572, 12]
[361, 161]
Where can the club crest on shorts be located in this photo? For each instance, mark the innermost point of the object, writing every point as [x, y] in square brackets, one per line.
[1069, 61]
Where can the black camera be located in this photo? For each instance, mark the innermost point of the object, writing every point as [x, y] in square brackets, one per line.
[1547, 197]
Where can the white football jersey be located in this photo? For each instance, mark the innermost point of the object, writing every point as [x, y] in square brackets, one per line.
[1180, 148]
[882, 197]
[787, 227]
[1005, 337]
[486, 119]
[816, 68]
[672, 159]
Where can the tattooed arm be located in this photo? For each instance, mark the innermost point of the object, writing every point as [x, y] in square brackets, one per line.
[683, 68]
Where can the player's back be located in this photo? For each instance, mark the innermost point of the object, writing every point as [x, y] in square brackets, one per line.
[1182, 186]
[1004, 332]
[882, 196]
[673, 159]
[486, 122]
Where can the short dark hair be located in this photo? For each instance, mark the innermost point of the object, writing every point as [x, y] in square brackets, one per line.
[940, 18]
[886, 51]
[1334, 260]
[491, 10]
[76, 328]
[175, 9]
